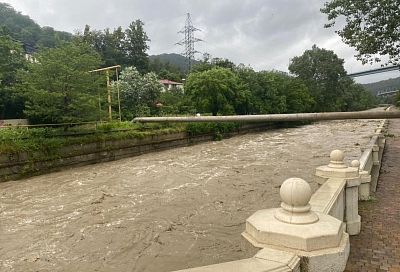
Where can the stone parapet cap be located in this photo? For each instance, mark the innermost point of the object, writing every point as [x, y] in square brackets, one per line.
[337, 168]
[264, 230]
[328, 172]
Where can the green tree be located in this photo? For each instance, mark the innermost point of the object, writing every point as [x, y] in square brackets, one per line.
[12, 58]
[128, 48]
[356, 97]
[321, 71]
[175, 101]
[208, 63]
[297, 96]
[136, 46]
[372, 27]
[58, 86]
[139, 93]
[265, 88]
[218, 90]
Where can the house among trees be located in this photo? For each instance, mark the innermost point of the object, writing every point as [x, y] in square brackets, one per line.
[29, 51]
[171, 85]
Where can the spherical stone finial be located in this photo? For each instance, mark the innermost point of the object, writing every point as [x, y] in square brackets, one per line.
[337, 159]
[295, 194]
[355, 164]
[337, 155]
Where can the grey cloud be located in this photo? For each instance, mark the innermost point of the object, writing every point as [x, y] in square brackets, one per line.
[263, 33]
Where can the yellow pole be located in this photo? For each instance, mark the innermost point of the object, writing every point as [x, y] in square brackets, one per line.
[119, 101]
[109, 95]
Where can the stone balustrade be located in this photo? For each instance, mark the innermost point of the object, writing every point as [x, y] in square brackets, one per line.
[370, 161]
[310, 232]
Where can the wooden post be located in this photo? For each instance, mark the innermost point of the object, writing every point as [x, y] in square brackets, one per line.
[109, 95]
[107, 69]
[119, 101]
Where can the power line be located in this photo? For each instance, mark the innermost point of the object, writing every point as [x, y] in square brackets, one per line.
[188, 41]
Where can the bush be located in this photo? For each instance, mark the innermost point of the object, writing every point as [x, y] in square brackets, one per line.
[217, 129]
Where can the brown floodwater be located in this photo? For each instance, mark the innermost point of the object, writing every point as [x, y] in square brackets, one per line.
[162, 211]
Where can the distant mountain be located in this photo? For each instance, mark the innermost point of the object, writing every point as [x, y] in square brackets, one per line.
[384, 85]
[23, 29]
[174, 59]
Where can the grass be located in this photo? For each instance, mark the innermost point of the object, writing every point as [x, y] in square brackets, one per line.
[49, 140]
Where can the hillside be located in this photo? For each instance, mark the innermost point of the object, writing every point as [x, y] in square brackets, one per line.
[388, 85]
[174, 59]
[23, 29]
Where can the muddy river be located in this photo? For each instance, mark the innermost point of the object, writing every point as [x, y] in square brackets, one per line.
[162, 211]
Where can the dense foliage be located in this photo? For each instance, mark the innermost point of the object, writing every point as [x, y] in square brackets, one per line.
[12, 59]
[274, 92]
[58, 87]
[218, 91]
[139, 93]
[48, 140]
[127, 48]
[323, 73]
[30, 34]
[372, 27]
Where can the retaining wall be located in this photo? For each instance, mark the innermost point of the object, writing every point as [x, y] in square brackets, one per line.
[22, 164]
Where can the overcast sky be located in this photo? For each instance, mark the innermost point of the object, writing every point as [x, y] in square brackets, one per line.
[264, 34]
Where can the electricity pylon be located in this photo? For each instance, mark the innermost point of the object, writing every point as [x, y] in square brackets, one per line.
[189, 41]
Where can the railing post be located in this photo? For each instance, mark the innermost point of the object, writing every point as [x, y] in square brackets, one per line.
[353, 219]
[317, 238]
[338, 169]
[364, 189]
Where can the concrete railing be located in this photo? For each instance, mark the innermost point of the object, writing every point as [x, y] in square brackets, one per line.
[310, 232]
[370, 161]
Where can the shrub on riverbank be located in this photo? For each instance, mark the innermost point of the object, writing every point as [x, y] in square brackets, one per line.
[49, 139]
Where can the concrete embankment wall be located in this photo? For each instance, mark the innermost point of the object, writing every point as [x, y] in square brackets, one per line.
[22, 164]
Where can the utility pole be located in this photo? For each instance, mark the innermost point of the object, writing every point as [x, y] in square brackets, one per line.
[189, 41]
[109, 95]
[107, 70]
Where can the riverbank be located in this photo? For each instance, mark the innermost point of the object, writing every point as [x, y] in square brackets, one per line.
[25, 153]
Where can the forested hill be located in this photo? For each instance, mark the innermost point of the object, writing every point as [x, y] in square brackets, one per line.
[22, 28]
[389, 85]
[174, 59]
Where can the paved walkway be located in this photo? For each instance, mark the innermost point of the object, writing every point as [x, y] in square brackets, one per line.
[377, 248]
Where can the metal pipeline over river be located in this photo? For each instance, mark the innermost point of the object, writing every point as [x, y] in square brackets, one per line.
[276, 117]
